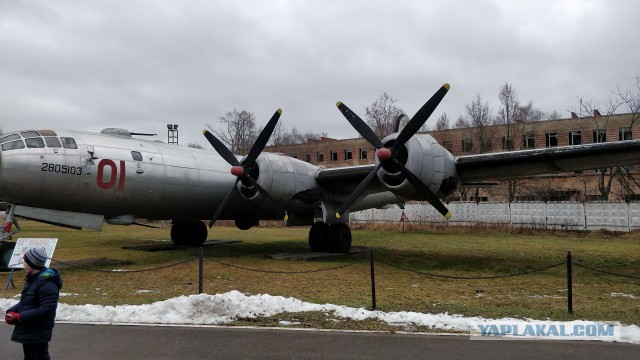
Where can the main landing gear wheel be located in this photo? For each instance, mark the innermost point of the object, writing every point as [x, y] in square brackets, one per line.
[335, 238]
[189, 233]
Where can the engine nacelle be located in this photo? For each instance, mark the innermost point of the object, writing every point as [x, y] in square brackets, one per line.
[425, 158]
[281, 176]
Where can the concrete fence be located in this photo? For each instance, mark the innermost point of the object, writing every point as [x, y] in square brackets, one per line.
[614, 216]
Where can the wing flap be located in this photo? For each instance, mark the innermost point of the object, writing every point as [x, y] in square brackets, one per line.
[345, 179]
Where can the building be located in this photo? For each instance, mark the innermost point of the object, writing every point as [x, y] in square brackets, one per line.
[602, 184]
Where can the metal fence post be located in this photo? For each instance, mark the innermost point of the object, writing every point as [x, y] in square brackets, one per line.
[569, 284]
[201, 272]
[373, 281]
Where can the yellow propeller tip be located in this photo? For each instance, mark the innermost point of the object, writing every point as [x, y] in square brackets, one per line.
[286, 217]
[337, 215]
[279, 111]
[339, 103]
[447, 86]
[204, 131]
[448, 216]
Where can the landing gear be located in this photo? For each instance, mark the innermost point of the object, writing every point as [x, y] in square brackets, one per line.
[334, 238]
[319, 237]
[246, 223]
[189, 233]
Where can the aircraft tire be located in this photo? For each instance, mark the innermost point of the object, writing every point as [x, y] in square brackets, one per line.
[340, 236]
[319, 237]
[176, 233]
[190, 233]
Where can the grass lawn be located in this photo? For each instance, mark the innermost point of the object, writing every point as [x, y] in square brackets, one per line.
[465, 252]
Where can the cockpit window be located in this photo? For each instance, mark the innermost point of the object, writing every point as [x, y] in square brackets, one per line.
[9, 138]
[136, 156]
[52, 142]
[17, 144]
[34, 142]
[69, 143]
[47, 133]
[28, 134]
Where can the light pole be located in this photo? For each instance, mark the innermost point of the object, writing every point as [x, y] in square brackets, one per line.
[172, 134]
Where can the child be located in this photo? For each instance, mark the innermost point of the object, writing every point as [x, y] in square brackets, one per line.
[34, 315]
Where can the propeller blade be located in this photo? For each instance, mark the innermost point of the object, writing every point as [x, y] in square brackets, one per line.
[361, 127]
[222, 205]
[424, 190]
[358, 190]
[221, 149]
[262, 139]
[420, 118]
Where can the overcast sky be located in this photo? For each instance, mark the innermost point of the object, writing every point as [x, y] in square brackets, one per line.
[92, 64]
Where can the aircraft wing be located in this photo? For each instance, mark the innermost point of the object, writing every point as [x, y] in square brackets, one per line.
[512, 164]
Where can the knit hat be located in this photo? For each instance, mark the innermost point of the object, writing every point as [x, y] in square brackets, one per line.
[36, 258]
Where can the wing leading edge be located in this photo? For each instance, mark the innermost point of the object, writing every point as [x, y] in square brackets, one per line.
[512, 164]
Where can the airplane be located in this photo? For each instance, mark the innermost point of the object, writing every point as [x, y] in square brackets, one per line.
[81, 179]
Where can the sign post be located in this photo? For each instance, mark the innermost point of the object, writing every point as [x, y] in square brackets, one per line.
[24, 244]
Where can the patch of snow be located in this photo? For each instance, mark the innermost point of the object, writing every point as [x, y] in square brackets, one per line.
[547, 297]
[628, 296]
[225, 308]
[67, 294]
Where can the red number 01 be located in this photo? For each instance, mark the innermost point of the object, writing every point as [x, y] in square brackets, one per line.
[114, 174]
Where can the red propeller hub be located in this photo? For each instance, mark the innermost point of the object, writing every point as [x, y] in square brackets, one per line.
[237, 170]
[384, 154]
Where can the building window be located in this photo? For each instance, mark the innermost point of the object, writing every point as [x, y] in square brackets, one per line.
[320, 156]
[528, 141]
[334, 155]
[448, 144]
[294, 155]
[467, 145]
[575, 137]
[307, 157]
[599, 135]
[507, 144]
[362, 153]
[348, 154]
[551, 139]
[486, 145]
[624, 133]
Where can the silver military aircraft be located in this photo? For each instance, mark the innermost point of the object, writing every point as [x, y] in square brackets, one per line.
[80, 179]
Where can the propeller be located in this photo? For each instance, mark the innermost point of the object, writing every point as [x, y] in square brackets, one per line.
[388, 156]
[242, 169]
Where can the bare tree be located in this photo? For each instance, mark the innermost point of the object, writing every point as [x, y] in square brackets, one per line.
[443, 122]
[195, 145]
[589, 108]
[238, 130]
[554, 115]
[461, 123]
[278, 135]
[509, 107]
[630, 100]
[514, 117]
[382, 114]
[479, 117]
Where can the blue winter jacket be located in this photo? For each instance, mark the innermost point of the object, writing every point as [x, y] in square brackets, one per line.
[37, 307]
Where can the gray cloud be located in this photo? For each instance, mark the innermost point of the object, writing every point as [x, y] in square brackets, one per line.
[142, 64]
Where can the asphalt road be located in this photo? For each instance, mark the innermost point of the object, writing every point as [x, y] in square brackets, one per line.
[72, 341]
